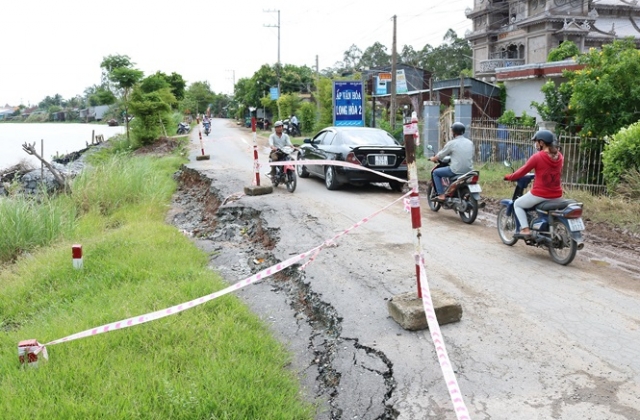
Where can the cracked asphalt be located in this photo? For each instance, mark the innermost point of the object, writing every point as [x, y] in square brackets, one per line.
[536, 340]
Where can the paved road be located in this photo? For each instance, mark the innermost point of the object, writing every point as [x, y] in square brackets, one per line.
[536, 341]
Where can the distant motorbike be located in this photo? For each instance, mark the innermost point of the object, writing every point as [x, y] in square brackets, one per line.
[462, 193]
[285, 174]
[555, 224]
[291, 128]
[207, 128]
[183, 128]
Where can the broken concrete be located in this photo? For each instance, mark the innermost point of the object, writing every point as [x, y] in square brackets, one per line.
[407, 310]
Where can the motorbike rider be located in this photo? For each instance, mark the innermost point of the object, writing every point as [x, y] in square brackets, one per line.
[277, 140]
[547, 163]
[460, 149]
[294, 121]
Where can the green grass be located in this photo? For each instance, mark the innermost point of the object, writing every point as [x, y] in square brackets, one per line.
[216, 361]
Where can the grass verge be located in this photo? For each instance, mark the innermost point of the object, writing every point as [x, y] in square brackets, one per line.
[216, 361]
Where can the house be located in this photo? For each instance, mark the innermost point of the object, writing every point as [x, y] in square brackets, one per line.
[5, 113]
[509, 33]
[93, 113]
[524, 83]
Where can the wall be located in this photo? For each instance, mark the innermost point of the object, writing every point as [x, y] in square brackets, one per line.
[520, 94]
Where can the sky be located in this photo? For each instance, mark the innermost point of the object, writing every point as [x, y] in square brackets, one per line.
[56, 47]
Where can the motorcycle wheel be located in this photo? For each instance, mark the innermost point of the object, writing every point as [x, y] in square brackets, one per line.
[330, 180]
[291, 181]
[433, 205]
[562, 248]
[507, 227]
[469, 215]
[301, 169]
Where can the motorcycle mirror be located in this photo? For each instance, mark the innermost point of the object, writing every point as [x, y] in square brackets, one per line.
[430, 147]
[506, 163]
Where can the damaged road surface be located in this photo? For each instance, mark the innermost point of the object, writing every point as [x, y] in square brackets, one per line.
[536, 340]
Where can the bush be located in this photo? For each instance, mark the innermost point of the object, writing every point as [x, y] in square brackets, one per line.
[621, 154]
[307, 117]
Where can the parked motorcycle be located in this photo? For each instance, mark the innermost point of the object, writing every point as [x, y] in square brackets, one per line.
[285, 174]
[290, 128]
[555, 224]
[183, 128]
[207, 128]
[462, 193]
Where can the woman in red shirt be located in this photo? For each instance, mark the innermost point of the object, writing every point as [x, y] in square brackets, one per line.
[547, 164]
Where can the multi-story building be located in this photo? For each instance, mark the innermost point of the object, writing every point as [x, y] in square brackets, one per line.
[522, 32]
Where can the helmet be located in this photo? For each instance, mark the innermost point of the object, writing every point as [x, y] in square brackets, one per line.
[546, 136]
[278, 124]
[457, 128]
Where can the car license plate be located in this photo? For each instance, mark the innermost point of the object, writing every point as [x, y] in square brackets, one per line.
[381, 160]
[474, 188]
[576, 224]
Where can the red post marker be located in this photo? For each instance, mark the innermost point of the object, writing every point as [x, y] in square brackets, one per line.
[410, 128]
[256, 163]
[201, 142]
[28, 352]
[76, 252]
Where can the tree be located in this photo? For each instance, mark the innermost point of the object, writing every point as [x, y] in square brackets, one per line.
[555, 107]
[111, 62]
[151, 111]
[606, 92]
[621, 155]
[198, 97]
[565, 50]
[448, 60]
[375, 56]
[409, 56]
[124, 80]
[351, 59]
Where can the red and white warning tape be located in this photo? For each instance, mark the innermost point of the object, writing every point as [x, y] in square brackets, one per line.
[443, 357]
[141, 319]
[334, 163]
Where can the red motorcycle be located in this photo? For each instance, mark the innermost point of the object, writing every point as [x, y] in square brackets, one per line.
[285, 174]
[462, 193]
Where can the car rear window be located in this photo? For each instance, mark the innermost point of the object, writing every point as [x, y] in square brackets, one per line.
[368, 137]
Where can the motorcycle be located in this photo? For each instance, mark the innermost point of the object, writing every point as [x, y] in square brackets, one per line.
[462, 193]
[207, 128]
[555, 224]
[183, 128]
[285, 174]
[291, 128]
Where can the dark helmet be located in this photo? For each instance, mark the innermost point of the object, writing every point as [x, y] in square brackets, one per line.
[457, 128]
[546, 136]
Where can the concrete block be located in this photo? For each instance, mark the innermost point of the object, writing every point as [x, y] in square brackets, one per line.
[407, 310]
[203, 157]
[258, 190]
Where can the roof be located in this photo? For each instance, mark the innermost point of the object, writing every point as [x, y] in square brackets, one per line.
[620, 27]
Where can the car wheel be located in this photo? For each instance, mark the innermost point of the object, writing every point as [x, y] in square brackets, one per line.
[302, 170]
[330, 179]
[396, 185]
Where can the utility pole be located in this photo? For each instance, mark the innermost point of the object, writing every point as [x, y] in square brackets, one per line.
[278, 65]
[394, 54]
[317, 86]
[233, 78]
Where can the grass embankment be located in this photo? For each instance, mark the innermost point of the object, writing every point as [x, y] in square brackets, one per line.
[614, 210]
[216, 361]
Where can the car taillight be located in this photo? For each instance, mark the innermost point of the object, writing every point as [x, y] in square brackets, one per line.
[351, 158]
[575, 213]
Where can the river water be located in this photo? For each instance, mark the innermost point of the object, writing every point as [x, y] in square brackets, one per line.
[57, 138]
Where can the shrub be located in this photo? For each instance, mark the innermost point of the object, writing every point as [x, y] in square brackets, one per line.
[307, 117]
[621, 154]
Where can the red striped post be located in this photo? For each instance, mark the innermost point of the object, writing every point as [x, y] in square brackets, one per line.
[256, 164]
[76, 253]
[409, 129]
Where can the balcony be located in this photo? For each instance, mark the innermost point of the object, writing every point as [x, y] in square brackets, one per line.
[490, 66]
